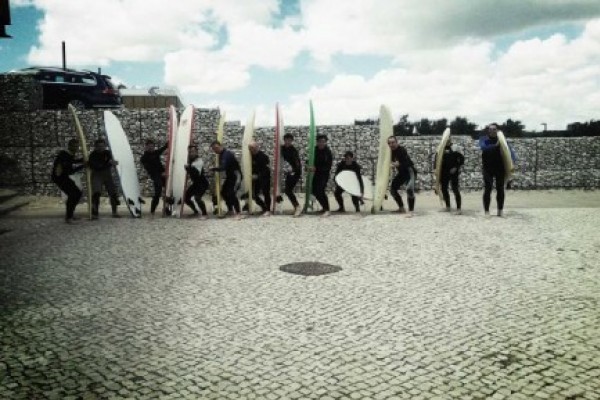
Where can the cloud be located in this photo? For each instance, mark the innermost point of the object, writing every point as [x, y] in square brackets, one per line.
[552, 81]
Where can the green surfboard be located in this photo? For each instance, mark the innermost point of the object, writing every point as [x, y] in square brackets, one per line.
[312, 142]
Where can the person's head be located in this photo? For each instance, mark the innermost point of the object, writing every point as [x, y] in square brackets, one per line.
[100, 144]
[349, 157]
[73, 146]
[492, 130]
[288, 139]
[193, 150]
[253, 147]
[392, 142]
[321, 141]
[216, 147]
[150, 145]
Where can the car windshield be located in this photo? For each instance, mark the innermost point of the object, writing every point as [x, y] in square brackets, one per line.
[108, 81]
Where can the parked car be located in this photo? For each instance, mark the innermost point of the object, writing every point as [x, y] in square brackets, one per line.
[82, 89]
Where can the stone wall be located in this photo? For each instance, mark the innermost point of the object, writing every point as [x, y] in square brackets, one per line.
[19, 93]
[30, 140]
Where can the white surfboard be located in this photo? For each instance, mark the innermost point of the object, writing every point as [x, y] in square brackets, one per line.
[277, 159]
[183, 139]
[121, 151]
[247, 161]
[348, 181]
[171, 135]
[438, 163]
[384, 158]
[506, 157]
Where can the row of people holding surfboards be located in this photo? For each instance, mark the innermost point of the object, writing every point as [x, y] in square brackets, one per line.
[448, 164]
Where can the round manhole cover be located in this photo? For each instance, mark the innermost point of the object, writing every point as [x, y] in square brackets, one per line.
[310, 268]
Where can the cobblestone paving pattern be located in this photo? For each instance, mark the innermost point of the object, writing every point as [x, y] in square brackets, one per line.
[434, 307]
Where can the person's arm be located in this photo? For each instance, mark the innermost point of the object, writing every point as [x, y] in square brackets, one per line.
[338, 168]
[329, 159]
[224, 161]
[513, 155]
[485, 144]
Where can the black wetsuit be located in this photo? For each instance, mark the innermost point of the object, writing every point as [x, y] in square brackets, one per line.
[233, 179]
[100, 164]
[155, 169]
[493, 169]
[451, 160]
[405, 175]
[343, 166]
[198, 187]
[61, 169]
[292, 157]
[323, 163]
[261, 180]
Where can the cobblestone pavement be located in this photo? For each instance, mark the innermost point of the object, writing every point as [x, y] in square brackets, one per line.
[434, 307]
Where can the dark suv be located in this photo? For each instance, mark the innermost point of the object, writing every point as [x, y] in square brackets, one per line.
[82, 89]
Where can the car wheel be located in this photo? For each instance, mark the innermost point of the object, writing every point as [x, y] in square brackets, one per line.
[78, 104]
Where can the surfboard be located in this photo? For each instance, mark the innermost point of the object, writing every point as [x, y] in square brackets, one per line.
[183, 138]
[85, 155]
[217, 187]
[247, 161]
[382, 177]
[172, 131]
[438, 163]
[312, 141]
[506, 157]
[277, 159]
[126, 169]
[348, 181]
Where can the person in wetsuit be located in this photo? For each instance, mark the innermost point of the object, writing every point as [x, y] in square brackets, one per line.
[493, 168]
[155, 169]
[195, 170]
[348, 163]
[293, 170]
[233, 177]
[101, 163]
[452, 160]
[63, 167]
[406, 174]
[321, 171]
[261, 178]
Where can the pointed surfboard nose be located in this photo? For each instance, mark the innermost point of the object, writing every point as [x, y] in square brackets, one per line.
[138, 212]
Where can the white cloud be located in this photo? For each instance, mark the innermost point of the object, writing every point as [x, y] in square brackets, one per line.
[552, 81]
[445, 62]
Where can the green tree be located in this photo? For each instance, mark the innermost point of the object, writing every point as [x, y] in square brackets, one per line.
[462, 126]
[403, 127]
[512, 128]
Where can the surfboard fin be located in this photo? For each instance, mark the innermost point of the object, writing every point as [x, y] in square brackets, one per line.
[142, 201]
[130, 202]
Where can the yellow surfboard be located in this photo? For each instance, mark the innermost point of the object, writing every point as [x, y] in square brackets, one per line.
[438, 163]
[384, 158]
[506, 157]
[84, 151]
[247, 161]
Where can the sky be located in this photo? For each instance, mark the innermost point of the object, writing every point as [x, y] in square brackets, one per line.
[537, 61]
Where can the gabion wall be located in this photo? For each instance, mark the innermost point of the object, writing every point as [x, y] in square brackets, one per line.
[30, 140]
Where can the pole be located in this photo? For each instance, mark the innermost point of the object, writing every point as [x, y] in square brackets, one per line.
[64, 55]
